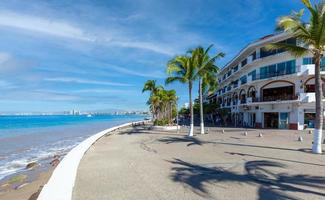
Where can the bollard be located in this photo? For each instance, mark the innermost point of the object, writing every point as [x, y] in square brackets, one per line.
[207, 130]
[245, 133]
[260, 135]
[223, 131]
[310, 131]
[300, 139]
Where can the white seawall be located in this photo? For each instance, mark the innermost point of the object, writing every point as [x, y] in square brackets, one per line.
[60, 185]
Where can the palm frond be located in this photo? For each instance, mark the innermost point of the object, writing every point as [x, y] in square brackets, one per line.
[174, 79]
[295, 50]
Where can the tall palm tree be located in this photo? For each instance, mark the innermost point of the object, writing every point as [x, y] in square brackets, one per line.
[312, 36]
[181, 69]
[171, 102]
[151, 86]
[206, 71]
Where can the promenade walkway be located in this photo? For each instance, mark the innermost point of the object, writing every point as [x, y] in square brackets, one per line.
[137, 163]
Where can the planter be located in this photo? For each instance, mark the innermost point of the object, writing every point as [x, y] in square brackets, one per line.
[165, 128]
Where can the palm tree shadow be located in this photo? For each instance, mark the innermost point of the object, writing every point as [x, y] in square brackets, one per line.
[144, 130]
[190, 140]
[271, 185]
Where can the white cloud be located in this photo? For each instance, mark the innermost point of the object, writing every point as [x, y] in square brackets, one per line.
[42, 25]
[158, 48]
[107, 36]
[85, 81]
[142, 73]
[10, 64]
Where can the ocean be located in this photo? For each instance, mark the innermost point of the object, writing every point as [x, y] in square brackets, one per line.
[26, 139]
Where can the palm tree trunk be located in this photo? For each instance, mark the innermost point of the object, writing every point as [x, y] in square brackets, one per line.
[191, 110]
[317, 140]
[201, 106]
[171, 113]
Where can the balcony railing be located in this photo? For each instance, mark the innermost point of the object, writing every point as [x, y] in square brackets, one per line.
[274, 98]
[270, 75]
[243, 101]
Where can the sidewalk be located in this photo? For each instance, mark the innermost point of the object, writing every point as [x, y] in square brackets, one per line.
[143, 164]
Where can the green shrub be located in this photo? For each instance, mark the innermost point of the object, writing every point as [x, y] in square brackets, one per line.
[161, 122]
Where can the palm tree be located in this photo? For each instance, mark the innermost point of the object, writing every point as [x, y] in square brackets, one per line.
[312, 36]
[171, 100]
[151, 86]
[181, 69]
[206, 70]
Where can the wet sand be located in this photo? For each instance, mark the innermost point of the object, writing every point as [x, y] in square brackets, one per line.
[26, 190]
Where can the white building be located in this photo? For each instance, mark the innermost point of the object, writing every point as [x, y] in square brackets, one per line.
[268, 89]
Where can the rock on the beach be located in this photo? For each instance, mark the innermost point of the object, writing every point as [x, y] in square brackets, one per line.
[55, 162]
[21, 186]
[32, 165]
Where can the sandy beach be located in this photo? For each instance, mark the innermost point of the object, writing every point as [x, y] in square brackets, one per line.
[27, 190]
[137, 163]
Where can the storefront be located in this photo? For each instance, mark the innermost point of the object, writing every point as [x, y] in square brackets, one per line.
[276, 120]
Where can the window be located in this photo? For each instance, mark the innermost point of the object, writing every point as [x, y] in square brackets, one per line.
[224, 76]
[243, 80]
[253, 74]
[281, 68]
[229, 73]
[272, 70]
[322, 64]
[263, 72]
[253, 55]
[236, 68]
[236, 83]
[292, 41]
[265, 52]
[291, 67]
[308, 61]
[229, 87]
[244, 62]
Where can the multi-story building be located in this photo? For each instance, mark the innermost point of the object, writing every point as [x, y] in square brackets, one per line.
[269, 88]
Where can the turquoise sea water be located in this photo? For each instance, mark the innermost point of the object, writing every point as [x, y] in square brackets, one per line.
[25, 139]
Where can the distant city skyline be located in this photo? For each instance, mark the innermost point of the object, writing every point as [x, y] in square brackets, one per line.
[96, 55]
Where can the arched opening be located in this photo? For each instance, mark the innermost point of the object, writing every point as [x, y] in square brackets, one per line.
[242, 96]
[235, 98]
[229, 100]
[220, 101]
[224, 102]
[309, 86]
[251, 93]
[278, 91]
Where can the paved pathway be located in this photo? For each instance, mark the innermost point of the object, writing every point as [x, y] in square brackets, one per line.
[142, 164]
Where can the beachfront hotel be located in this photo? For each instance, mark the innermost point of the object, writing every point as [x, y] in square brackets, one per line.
[268, 88]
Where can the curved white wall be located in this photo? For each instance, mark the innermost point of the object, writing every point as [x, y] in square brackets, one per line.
[61, 183]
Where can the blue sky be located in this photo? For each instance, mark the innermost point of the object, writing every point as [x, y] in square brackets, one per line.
[60, 55]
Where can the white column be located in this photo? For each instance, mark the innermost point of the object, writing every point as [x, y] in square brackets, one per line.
[300, 118]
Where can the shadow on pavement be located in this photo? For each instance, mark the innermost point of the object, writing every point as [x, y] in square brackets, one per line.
[190, 140]
[271, 185]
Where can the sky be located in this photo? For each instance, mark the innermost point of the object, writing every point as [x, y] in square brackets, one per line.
[95, 55]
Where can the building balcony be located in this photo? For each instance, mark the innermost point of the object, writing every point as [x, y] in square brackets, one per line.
[309, 70]
[307, 97]
[271, 100]
[243, 101]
